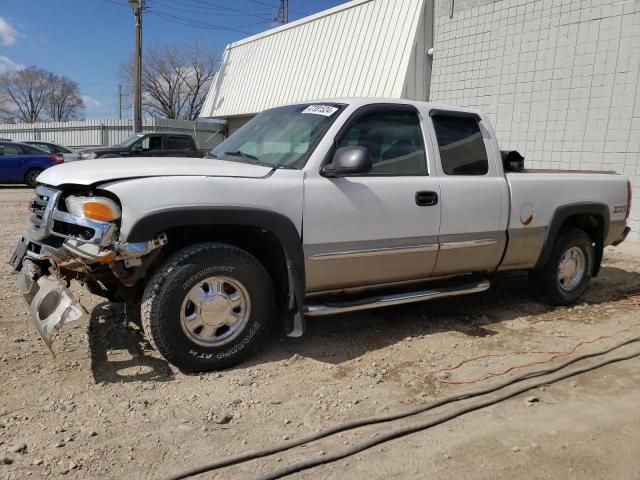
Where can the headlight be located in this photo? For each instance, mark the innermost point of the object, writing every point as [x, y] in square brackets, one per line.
[95, 208]
[87, 156]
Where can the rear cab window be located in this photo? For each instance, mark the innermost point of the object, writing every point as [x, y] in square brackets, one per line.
[178, 143]
[461, 145]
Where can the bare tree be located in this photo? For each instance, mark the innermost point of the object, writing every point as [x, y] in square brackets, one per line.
[64, 102]
[25, 92]
[28, 94]
[175, 80]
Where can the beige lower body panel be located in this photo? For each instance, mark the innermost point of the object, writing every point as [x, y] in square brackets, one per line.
[368, 264]
[466, 253]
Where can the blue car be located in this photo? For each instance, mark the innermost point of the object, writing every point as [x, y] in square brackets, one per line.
[20, 163]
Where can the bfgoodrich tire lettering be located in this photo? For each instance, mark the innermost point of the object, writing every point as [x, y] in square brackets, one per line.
[164, 299]
[546, 283]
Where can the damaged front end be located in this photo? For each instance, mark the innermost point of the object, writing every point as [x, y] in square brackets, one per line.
[73, 237]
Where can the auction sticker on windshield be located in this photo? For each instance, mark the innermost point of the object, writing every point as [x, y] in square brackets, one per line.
[325, 110]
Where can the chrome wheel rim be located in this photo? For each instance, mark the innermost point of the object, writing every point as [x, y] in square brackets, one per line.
[572, 268]
[215, 311]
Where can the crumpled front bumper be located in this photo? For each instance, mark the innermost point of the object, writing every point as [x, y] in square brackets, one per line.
[51, 303]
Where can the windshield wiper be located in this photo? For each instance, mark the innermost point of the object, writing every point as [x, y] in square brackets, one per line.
[240, 153]
[254, 159]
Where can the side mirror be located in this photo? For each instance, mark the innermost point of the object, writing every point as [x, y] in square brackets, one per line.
[349, 161]
[136, 149]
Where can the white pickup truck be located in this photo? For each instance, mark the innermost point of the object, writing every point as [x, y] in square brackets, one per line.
[310, 209]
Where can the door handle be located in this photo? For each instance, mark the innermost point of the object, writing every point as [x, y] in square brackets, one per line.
[426, 199]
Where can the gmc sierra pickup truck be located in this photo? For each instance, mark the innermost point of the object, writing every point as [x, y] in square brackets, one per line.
[310, 209]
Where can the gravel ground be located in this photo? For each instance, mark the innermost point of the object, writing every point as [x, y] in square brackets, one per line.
[107, 405]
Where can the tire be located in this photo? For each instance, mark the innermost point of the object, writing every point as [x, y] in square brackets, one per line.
[31, 176]
[555, 283]
[220, 287]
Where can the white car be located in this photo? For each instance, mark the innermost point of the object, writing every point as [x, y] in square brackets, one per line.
[311, 209]
[68, 154]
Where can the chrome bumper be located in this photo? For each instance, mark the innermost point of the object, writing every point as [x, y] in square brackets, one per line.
[46, 214]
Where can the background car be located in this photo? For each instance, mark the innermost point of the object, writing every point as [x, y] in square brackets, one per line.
[68, 154]
[148, 145]
[20, 163]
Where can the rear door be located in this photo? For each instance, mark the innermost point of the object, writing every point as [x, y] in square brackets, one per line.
[11, 163]
[380, 227]
[474, 194]
[179, 146]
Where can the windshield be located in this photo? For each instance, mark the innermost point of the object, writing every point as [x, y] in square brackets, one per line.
[130, 140]
[280, 137]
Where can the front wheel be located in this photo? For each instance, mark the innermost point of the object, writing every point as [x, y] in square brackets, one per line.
[30, 178]
[207, 307]
[567, 274]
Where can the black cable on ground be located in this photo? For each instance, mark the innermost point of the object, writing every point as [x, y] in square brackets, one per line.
[401, 432]
[245, 457]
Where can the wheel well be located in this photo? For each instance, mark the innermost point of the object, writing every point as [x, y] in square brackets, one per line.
[259, 242]
[592, 224]
[32, 169]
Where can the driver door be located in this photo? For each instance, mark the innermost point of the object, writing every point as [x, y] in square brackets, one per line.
[148, 146]
[376, 228]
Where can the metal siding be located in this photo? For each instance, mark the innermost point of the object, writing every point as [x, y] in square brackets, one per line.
[361, 48]
[92, 133]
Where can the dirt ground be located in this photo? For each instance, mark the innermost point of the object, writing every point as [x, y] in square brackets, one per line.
[108, 406]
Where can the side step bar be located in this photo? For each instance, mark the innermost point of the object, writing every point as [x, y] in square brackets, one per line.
[396, 299]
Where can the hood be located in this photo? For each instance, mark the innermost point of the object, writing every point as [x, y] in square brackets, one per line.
[104, 170]
[114, 148]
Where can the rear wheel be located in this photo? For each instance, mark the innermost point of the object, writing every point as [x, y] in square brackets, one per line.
[567, 274]
[30, 178]
[208, 306]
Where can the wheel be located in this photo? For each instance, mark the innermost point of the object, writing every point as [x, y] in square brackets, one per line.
[31, 176]
[567, 274]
[208, 306]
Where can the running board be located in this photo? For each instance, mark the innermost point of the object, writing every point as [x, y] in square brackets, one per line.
[397, 299]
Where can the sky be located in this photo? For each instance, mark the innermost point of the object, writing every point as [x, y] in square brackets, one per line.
[89, 40]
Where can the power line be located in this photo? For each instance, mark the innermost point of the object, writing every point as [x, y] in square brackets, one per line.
[245, 12]
[122, 4]
[189, 22]
[258, 2]
[200, 10]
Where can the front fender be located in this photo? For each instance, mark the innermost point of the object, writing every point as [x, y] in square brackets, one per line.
[279, 225]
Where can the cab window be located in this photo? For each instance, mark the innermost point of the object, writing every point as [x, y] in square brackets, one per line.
[150, 142]
[394, 140]
[461, 146]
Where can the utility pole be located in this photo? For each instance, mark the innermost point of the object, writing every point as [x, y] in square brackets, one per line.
[282, 14]
[120, 102]
[138, 7]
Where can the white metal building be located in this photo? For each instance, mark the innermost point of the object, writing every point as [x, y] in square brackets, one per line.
[359, 49]
[559, 79]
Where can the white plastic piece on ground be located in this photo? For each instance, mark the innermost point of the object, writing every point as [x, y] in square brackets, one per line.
[52, 307]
